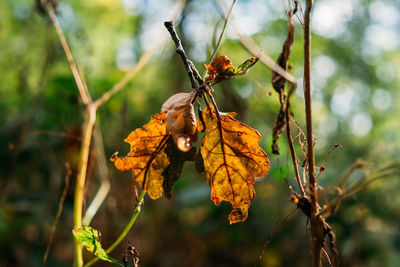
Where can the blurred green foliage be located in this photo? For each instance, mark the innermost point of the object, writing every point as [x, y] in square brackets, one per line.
[356, 103]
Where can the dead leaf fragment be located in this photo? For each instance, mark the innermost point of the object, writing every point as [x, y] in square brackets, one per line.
[232, 159]
[177, 159]
[278, 82]
[147, 158]
[181, 120]
[131, 255]
[219, 65]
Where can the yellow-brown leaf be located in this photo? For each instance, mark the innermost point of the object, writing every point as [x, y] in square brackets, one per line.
[232, 159]
[147, 158]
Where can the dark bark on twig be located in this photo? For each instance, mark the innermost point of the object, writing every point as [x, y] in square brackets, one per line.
[292, 151]
[317, 232]
[190, 68]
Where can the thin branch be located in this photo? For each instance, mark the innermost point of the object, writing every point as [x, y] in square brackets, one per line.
[357, 165]
[317, 234]
[125, 80]
[222, 33]
[82, 87]
[60, 208]
[292, 151]
[327, 257]
[322, 168]
[179, 50]
[126, 230]
[90, 119]
[102, 168]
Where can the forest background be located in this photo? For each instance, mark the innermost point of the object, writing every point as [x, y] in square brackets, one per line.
[356, 103]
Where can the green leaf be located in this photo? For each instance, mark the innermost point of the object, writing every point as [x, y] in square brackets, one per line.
[245, 66]
[90, 239]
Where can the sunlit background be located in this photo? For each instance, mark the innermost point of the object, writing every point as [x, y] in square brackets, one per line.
[355, 81]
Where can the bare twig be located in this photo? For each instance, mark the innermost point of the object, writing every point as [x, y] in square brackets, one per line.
[215, 50]
[317, 234]
[357, 165]
[327, 257]
[125, 80]
[84, 93]
[60, 208]
[322, 168]
[179, 50]
[390, 171]
[292, 151]
[102, 168]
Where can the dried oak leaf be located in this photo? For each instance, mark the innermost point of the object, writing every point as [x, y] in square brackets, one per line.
[147, 158]
[232, 159]
[181, 120]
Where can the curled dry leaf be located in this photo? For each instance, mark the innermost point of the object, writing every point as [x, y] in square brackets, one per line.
[147, 158]
[232, 159]
[219, 65]
[181, 120]
[278, 82]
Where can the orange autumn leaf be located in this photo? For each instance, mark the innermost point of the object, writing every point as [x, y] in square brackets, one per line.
[232, 159]
[147, 158]
[219, 66]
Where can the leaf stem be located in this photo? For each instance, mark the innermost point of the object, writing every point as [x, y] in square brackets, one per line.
[126, 230]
